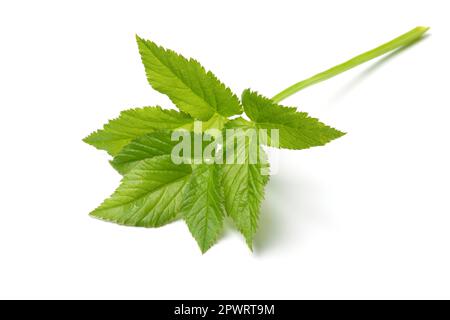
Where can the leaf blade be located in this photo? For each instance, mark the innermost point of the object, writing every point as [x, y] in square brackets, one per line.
[244, 185]
[148, 196]
[190, 87]
[296, 129]
[134, 123]
[203, 205]
[148, 146]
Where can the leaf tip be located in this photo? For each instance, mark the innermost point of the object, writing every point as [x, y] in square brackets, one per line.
[94, 214]
[203, 250]
[88, 138]
[250, 245]
[340, 133]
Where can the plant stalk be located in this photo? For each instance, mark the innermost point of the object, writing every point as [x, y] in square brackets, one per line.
[401, 41]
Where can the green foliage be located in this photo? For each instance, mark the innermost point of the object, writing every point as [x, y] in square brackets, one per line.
[190, 87]
[155, 190]
[148, 146]
[296, 129]
[134, 123]
[243, 184]
[202, 206]
[150, 195]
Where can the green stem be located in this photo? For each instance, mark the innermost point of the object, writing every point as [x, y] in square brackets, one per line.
[401, 41]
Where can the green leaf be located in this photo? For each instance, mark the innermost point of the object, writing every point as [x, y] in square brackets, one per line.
[134, 123]
[243, 185]
[202, 206]
[296, 129]
[160, 143]
[149, 196]
[190, 87]
[148, 146]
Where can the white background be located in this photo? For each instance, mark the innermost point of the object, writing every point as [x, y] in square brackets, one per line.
[367, 216]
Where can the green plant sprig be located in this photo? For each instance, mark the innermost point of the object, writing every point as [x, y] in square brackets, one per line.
[155, 191]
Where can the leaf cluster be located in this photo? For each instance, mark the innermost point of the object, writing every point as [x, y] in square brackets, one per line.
[155, 191]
